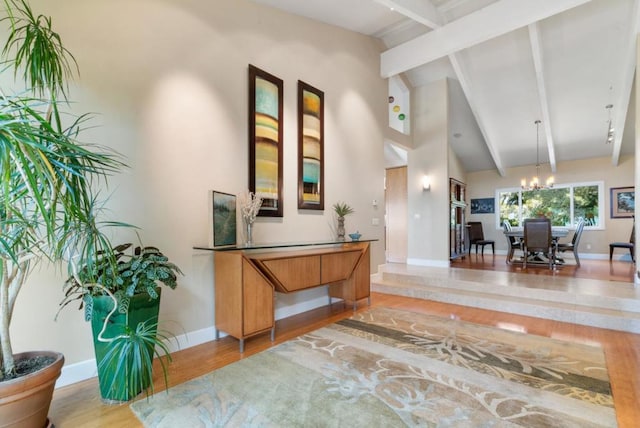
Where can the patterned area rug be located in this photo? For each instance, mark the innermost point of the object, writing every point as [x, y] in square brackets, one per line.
[393, 368]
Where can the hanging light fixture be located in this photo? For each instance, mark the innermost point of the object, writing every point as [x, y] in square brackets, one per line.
[610, 130]
[534, 184]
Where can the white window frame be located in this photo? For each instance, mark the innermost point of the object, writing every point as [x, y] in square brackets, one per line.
[571, 186]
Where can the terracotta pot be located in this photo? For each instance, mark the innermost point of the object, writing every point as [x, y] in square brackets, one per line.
[24, 401]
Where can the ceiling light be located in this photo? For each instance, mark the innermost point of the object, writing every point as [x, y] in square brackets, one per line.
[610, 129]
[534, 184]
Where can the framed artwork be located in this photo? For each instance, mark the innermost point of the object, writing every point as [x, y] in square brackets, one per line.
[224, 219]
[265, 140]
[310, 147]
[483, 206]
[623, 203]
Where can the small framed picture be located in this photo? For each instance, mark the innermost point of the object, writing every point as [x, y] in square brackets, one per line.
[224, 219]
[623, 202]
[482, 206]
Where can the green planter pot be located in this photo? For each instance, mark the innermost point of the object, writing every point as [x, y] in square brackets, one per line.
[113, 383]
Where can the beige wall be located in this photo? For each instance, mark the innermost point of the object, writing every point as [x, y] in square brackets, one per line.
[456, 170]
[427, 210]
[483, 184]
[169, 83]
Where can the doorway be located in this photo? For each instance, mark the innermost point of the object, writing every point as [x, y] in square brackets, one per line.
[395, 198]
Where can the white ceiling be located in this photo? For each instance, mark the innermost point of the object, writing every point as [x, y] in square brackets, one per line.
[510, 62]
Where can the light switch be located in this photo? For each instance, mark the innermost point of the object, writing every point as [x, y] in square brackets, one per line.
[375, 221]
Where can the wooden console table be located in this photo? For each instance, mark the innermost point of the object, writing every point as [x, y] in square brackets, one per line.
[246, 279]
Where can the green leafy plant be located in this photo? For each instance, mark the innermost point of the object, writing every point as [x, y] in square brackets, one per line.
[131, 354]
[125, 368]
[127, 271]
[342, 209]
[126, 365]
[49, 209]
[123, 272]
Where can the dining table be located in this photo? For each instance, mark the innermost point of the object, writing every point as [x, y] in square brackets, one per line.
[557, 232]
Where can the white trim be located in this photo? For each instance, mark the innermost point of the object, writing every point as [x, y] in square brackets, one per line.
[570, 186]
[303, 306]
[428, 262]
[77, 372]
[87, 369]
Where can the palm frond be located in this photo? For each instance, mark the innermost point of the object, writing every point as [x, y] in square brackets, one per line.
[129, 360]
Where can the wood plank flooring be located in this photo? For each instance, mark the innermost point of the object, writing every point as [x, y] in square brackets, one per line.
[596, 269]
[79, 405]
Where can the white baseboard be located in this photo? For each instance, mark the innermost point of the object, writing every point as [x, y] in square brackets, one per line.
[428, 262]
[77, 372]
[303, 306]
[87, 369]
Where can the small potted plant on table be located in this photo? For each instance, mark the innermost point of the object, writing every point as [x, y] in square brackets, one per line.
[341, 209]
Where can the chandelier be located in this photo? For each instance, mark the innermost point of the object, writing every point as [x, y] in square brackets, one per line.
[534, 184]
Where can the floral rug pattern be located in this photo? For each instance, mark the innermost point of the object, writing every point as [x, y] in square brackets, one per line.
[387, 368]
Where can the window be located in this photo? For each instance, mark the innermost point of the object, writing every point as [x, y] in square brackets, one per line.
[565, 205]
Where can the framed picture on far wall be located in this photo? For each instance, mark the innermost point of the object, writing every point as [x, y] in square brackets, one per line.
[482, 206]
[265, 140]
[224, 219]
[623, 202]
[310, 147]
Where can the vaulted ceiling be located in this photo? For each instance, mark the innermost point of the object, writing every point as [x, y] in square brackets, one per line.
[511, 62]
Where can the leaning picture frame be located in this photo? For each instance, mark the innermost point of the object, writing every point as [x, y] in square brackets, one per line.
[224, 219]
[265, 140]
[622, 202]
[310, 147]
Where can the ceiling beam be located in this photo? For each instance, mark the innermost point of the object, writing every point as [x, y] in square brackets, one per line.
[494, 20]
[451, 4]
[418, 10]
[536, 51]
[625, 84]
[461, 74]
[434, 17]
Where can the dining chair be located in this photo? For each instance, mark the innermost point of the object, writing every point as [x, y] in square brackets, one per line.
[537, 238]
[630, 245]
[476, 237]
[573, 245]
[512, 242]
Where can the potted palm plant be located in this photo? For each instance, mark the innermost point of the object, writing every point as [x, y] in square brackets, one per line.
[122, 301]
[47, 198]
[342, 209]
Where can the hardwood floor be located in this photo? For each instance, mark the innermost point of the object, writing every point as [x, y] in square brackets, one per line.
[596, 269]
[79, 405]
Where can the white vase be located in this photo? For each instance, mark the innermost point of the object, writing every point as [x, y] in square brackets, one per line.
[248, 235]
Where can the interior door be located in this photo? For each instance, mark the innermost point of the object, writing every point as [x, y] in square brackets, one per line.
[396, 215]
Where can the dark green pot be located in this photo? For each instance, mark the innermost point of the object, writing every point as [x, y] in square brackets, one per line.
[113, 384]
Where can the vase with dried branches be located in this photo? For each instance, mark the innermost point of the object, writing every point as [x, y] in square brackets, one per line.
[250, 204]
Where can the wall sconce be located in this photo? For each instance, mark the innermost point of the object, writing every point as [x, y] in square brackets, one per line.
[426, 183]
